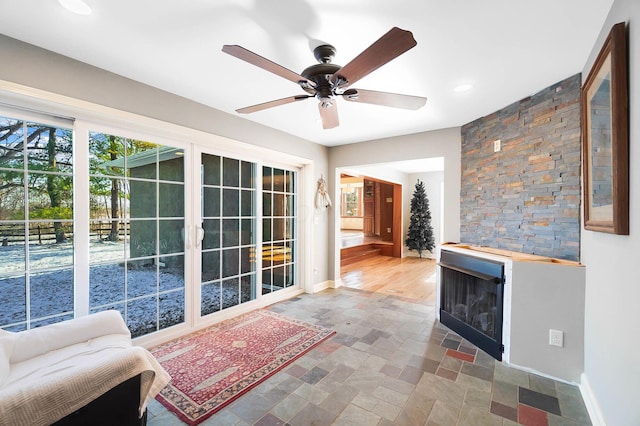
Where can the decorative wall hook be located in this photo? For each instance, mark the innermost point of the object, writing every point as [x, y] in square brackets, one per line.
[322, 196]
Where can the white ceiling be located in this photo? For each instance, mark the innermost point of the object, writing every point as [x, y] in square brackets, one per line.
[508, 49]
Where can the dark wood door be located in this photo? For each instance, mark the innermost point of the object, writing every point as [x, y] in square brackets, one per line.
[386, 212]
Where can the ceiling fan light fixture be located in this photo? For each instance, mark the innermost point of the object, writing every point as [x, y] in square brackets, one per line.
[326, 102]
[350, 94]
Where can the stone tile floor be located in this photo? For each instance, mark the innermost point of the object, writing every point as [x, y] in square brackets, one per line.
[392, 363]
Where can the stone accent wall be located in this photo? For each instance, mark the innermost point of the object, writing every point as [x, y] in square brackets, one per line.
[526, 197]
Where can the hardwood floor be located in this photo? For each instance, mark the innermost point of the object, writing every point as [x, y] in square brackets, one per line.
[411, 277]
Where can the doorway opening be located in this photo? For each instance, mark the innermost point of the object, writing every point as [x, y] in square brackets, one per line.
[401, 273]
[370, 218]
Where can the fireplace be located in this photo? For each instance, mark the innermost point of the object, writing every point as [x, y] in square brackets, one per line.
[471, 299]
[507, 302]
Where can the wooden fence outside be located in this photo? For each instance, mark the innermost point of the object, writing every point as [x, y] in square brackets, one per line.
[44, 232]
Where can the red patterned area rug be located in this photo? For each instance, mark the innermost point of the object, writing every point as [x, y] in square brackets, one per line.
[213, 367]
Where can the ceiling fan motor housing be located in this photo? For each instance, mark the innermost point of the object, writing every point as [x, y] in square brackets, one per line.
[321, 73]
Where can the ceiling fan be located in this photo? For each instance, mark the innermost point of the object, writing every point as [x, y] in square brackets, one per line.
[325, 80]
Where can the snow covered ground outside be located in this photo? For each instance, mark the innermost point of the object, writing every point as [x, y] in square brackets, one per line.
[154, 296]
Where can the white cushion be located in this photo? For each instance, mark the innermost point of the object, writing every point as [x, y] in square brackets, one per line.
[66, 358]
[38, 341]
[7, 341]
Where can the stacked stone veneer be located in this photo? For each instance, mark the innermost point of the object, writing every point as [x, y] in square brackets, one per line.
[526, 197]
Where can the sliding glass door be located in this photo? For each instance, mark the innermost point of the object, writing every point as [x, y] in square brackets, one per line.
[166, 232]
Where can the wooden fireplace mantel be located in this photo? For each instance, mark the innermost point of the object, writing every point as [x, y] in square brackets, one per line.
[513, 255]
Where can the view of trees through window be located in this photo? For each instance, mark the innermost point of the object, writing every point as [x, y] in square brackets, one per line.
[351, 193]
[136, 252]
[36, 224]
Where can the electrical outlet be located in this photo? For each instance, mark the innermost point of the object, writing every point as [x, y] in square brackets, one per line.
[556, 338]
[496, 145]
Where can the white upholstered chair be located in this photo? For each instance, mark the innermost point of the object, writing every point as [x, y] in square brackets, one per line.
[80, 371]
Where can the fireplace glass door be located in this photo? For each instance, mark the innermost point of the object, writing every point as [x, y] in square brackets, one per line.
[471, 299]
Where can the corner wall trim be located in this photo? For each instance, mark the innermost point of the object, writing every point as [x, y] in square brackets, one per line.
[335, 284]
[325, 285]
[595, 413]
[318, 287]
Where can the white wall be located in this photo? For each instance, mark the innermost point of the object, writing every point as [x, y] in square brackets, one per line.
[380, 172]
[612, 344]
[433, 187]
[544, 296]
[438, 143]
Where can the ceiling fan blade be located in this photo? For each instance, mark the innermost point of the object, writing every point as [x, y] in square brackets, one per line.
[384, 98]
[328, 113]
[264, 63]
[271, 104]
[391, 45]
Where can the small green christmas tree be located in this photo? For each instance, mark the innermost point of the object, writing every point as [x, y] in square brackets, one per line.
[420, 235]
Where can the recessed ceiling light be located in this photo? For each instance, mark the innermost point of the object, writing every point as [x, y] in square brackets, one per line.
[463, 88]
[76, 6]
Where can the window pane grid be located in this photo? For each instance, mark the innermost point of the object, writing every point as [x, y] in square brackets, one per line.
[137, 228]
[36, 266]
[278, 233]
[228, 221]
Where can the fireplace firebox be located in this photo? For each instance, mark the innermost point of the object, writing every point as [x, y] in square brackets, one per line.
[471, 299]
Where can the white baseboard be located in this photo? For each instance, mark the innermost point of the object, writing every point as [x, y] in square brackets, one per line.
[539, 373]
[590, 401]
[325, 285]
[597, 419]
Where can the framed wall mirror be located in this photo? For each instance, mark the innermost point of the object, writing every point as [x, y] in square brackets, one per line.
[605, 138]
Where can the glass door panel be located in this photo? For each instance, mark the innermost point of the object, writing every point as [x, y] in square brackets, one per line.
[36, 224]
[137, 223]
[279, 259]
[227, 231]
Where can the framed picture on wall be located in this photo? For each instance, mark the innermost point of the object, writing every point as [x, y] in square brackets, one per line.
[605, 138]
